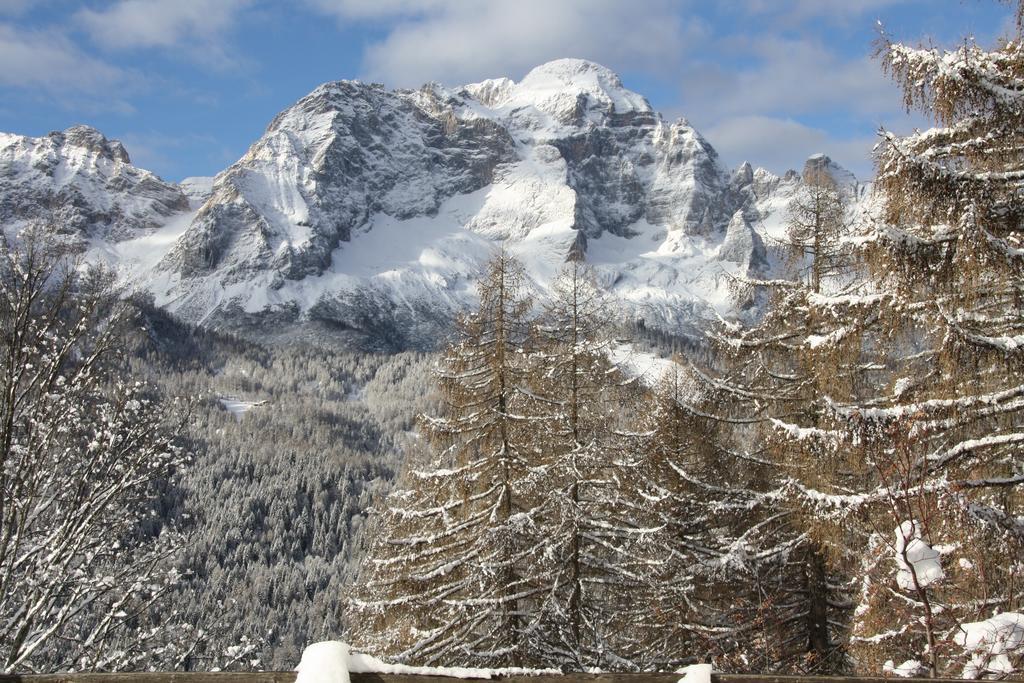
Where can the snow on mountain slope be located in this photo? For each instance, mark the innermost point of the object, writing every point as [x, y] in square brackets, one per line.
[197, 188]
[373, 210]
[81, 186]
[137, 257]
[369, 212]
[563, 92]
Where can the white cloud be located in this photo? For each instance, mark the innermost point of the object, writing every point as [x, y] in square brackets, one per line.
[791, 76]
[779, 144]
[455, 41]
[377, 9]
[791, 98]
[48, 60]
[194, 25]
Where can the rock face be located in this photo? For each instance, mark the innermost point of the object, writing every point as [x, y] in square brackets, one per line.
[845, 182]
[368, 212]
[82, 186]
[342, 154]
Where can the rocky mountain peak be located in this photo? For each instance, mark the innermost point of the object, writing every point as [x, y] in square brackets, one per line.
[491, 93]
[820, 165]
[366, 212]
[567, 89]
[82, 185]
[92, 141]
[362, 203]
[744, 174]
[574, 77]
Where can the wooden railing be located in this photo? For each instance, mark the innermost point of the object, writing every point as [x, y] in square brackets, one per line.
[289, 677]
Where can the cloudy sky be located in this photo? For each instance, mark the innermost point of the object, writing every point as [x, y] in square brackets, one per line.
[189, 84]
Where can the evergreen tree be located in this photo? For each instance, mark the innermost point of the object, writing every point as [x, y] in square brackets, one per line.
[456, 563]
[815, 227]
[916, 429]
[769, 387]
[690, 499]
[939, 449]
[586, 521]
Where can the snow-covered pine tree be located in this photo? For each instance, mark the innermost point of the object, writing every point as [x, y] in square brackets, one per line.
[769, 384]
[691, 497]
[84, 563]
[807, 344]
[588, 521]
[453, 574]
[813, 245]
[941, 446]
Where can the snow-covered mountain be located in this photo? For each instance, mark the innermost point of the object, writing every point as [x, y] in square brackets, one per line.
[82, 185]
[368, 211]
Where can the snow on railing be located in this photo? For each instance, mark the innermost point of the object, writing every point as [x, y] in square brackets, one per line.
[331, 662]
[291, 677]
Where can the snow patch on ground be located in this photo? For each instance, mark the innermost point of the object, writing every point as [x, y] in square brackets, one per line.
[648, 368]
[238, 408]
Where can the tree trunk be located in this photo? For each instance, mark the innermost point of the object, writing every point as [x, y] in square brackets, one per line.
[818, 642]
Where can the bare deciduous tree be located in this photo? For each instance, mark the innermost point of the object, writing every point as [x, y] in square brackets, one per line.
[83, 558]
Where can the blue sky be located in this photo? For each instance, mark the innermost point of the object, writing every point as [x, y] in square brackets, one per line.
[189, 84]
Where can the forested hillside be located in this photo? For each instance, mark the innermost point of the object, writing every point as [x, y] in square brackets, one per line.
[275, 497]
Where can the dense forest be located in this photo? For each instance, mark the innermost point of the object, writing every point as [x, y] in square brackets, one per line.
[247, 521]
[275, 496]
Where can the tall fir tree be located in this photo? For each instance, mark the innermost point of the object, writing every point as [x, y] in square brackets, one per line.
[768, 388]
[690, 494]
[454, 565]
[586, 477]
[940, 447]
[813, 245]
[917, 431]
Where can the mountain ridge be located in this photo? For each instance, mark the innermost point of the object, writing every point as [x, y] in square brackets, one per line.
[366, 213]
